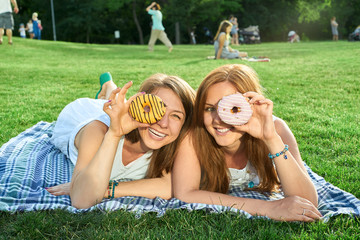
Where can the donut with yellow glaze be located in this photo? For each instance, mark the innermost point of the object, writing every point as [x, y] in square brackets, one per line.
[234, 109]
[147, 108]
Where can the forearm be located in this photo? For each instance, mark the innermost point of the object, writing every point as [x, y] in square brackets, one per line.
[14, 3]
[149, 188]
[218, 56]
[251, 206]
[89, 185]
[150, 6]
[294, 180]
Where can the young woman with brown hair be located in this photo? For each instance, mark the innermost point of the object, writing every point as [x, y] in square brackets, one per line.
[105, 143]
[216, 154]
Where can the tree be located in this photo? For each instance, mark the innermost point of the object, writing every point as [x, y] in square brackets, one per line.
[310, 10]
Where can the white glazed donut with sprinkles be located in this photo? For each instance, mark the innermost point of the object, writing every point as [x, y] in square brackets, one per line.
[234, 109]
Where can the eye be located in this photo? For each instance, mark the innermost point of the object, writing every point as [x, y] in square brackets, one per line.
[176, 116]
[210, 109]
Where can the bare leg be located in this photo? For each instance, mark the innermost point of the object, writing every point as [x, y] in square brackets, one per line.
[243, 54]
[236, 36]
[1, 34]
[106, 90]
[9, 35]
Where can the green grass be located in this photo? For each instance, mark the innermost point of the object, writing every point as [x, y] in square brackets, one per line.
[314, 85]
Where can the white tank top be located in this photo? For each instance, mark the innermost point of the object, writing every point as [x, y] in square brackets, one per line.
[246, 177]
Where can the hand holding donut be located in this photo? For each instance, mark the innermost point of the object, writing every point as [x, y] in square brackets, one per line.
[117, 108]
[261, 124]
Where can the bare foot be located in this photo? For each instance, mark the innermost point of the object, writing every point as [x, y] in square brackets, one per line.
[170, 49]
[243, 54]
[106, 90]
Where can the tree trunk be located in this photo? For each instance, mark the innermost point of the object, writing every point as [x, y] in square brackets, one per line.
[177, 33]
[141, 38]
[88, 34]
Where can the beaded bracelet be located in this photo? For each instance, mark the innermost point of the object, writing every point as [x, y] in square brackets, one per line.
[272, 156]
[109, 189]
[112, 185]
[115, 183]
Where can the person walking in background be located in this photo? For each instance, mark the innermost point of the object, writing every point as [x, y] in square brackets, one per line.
[29, 28]
[22, 30]
[6, 19]
[36, 26]
[158, 30]
[334, 29]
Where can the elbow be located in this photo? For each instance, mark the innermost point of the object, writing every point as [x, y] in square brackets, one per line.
[182, 195]
[83, 199]
[167, 196]
[80, 204]
[83, 202]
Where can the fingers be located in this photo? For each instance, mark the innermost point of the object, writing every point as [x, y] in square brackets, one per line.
[258, 99]
[254, 97]
[122, 94]
[113, 94]
[310, 214]
[133, 97]
[106, 106]
[309, 206]
[294, 208]
[117, 96]
[308, 211]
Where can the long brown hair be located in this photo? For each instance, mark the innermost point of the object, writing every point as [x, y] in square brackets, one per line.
[222, 28]
[214, 172]
[163, 159]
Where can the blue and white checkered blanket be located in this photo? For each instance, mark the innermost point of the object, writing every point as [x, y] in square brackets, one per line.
[29, 163]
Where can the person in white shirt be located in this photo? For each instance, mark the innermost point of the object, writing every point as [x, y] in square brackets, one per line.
[105, 143]
[6, 19]
[22, 30]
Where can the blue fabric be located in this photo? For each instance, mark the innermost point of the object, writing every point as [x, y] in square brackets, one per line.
[29, 163]
[36, 30]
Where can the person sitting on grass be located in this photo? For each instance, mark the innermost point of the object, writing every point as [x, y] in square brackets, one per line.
[293, 37]
[105, 143]
[254, 156]
[221, 43]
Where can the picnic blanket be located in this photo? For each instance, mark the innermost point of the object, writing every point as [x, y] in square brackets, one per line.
[29, 162]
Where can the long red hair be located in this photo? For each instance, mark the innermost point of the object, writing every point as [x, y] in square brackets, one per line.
[215, 174]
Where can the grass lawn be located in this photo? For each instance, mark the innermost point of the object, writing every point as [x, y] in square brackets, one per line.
[315, 87]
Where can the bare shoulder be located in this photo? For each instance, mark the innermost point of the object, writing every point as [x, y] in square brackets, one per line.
[281, 126]
[187, 141]
[222, 37]
[93, 130]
